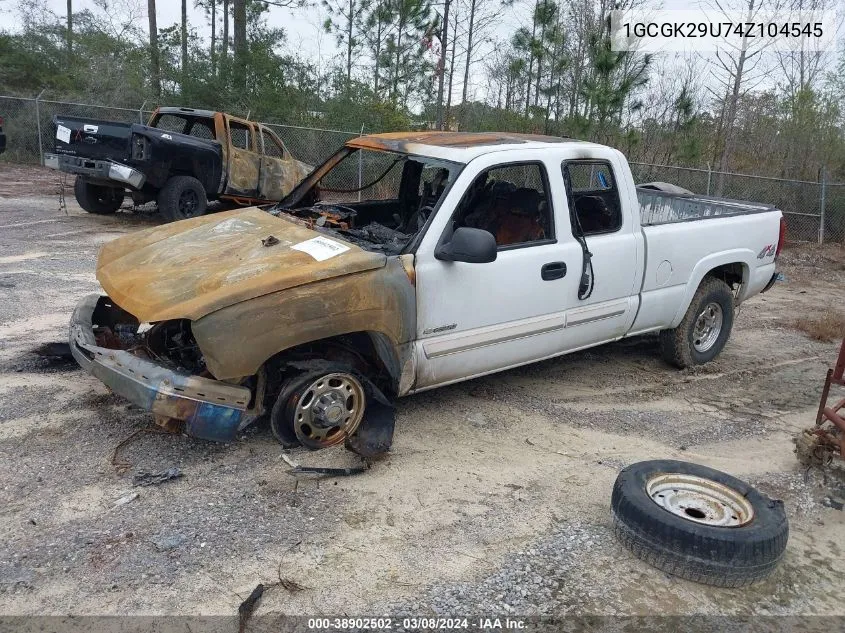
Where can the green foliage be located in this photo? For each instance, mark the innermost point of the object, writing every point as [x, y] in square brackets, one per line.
[556, 75]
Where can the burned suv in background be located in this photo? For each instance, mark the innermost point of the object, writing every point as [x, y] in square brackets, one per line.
[182, 159]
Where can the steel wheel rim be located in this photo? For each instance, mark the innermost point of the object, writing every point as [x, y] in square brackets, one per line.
[699, 500]
[329, 410]
[708, 326]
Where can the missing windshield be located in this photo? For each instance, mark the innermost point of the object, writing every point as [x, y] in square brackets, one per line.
[378, 200]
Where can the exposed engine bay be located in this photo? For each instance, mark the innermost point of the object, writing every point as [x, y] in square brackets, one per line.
[170, 343]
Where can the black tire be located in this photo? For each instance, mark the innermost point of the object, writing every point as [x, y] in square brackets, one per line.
[293, 388]
[98, 199]
[182, 197]
[678, 345]
[713, 555]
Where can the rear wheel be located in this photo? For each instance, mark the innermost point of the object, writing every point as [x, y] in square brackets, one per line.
[99, 199]
[319, 408]
[705, 328]
[181, 198]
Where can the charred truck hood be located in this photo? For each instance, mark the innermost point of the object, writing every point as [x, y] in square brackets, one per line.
[192, 268]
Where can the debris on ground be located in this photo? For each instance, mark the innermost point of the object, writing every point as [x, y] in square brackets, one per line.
[247, 607]
[127, 498]
[145, 478]
[54, 350]
[297, 469]
[833, 503]
[332, 472]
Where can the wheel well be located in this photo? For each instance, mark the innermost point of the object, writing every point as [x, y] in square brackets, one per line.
[369, 352]
[732, 274]
[184, 172]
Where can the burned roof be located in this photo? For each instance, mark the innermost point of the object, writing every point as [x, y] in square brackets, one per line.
[185, 111]
[459, 146]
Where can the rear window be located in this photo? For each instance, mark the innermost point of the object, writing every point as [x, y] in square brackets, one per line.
[192, 126]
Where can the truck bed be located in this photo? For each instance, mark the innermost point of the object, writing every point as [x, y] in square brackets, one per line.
[660, 207]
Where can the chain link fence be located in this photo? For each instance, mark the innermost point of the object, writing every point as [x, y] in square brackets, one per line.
[814, 211]
[30, 131]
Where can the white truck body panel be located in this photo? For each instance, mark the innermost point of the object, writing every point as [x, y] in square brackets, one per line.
[475, 319]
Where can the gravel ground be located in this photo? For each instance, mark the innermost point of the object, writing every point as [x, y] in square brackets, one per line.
[495, 499]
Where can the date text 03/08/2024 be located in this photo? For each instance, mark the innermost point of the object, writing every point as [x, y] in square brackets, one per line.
[413, 624]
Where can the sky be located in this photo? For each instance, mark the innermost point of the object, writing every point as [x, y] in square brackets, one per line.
[303, 28]
[307, 38]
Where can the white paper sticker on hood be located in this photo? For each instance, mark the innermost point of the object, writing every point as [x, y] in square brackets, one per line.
[321, 248]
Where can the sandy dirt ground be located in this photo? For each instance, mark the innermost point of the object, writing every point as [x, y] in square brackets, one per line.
[495, 498]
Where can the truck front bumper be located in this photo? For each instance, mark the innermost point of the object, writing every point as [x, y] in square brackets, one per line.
[97, 169]
[212, 410]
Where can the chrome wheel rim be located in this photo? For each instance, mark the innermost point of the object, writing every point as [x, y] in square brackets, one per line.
[329, 410]
[699, 500]
[708, 326]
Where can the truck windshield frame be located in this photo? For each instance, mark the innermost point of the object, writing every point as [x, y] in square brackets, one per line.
[361, 193]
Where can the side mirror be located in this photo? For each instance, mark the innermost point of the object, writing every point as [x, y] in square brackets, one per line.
[474, 246]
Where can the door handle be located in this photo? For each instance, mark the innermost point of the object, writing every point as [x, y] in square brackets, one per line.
[553, 270]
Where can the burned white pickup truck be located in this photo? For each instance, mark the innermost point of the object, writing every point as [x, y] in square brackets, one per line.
[450, 256]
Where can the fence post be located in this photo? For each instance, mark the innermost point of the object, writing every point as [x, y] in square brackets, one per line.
[38, 127]
[360, 165]
[709, 174]
[823, 179]
[141, 112]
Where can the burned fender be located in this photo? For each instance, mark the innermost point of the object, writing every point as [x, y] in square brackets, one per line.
[237, 340]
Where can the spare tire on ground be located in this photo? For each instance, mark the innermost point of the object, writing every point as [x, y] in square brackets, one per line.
[698, 523]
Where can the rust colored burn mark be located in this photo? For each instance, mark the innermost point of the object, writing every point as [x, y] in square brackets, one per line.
[397, 141]
[381, 300]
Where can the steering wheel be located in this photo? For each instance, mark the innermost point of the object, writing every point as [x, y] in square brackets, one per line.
[423, 214]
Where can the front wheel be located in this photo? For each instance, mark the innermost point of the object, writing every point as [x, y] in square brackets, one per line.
[99, 199]
[181, 198]
[705, 328]
[319, 408]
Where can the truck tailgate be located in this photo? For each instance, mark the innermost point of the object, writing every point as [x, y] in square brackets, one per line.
[92, 138]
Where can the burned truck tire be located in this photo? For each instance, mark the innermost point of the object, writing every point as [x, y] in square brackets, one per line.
[97, 199]
[705, 328]
[319, 408]
[182, 197]
[698, 523]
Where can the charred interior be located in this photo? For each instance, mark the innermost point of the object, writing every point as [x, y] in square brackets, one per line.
[378, 200]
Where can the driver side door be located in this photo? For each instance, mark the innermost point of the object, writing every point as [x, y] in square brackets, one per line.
[474, 319]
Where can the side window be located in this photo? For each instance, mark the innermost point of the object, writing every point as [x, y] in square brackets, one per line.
[271, 146]
[511, 202]
[592, 189]
[240, 135]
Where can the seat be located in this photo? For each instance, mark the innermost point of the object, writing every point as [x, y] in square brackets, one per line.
[519, 220]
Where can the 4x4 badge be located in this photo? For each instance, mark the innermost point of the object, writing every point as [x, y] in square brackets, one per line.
[767, 251]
